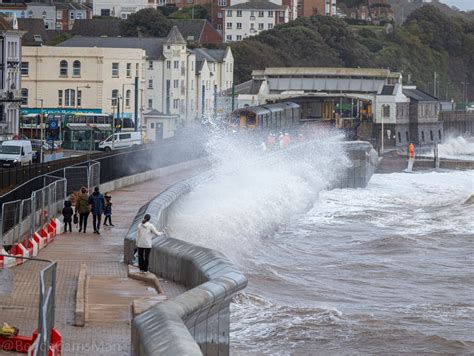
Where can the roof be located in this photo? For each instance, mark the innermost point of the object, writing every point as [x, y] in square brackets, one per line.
[175, 37]
[387, 90]
[211, 55]
[71, 6]
[250, 87]
[155, 112]
[353, 72]
[153, 46]
[191, 28]
[35, 27]
[5, 24]
[97, 27]
[418, 95]
[257, 5]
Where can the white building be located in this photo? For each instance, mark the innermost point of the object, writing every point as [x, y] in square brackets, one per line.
[47, 12]
[174, 76]
[10, 82]
[121, 8]
[250, 18]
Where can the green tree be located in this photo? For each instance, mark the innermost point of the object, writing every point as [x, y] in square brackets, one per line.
[191, 12]
[147, 22]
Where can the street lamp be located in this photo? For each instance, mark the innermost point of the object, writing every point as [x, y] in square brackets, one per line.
[42, 129]
[77, 93]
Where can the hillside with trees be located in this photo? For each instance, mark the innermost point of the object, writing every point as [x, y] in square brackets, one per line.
[429, 41]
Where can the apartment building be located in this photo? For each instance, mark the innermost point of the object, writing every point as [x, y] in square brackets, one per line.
[10, 57]
[250, 18]
[66, 78]
[121, 8]
[173, 75]
[68, 13]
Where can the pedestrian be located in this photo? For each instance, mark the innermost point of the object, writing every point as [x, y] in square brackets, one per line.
[67, 215]
[280, 140]
[96, 202]
[108, 210]
[263, 147]
[144, 238]
[286, 140]
[82, 207]
[270, 141]
[411, 156]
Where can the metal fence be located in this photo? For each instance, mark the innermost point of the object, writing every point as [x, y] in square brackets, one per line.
[46, 309]
[20, 218]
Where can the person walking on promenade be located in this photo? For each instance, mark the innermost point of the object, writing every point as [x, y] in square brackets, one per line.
[108, 210]
[144, 238]
[82, 207]
[96, 201]
[67, 215]
[411, 157]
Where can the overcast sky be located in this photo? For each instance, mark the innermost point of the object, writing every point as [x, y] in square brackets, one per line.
[465, 5]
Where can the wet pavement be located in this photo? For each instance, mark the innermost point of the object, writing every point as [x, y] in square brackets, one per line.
[110, 292]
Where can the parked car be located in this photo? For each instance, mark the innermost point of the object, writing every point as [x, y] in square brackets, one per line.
[16, 153]
[121, 140]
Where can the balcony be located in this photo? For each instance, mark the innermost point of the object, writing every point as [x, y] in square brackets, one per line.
[252, 18]
[10, 95]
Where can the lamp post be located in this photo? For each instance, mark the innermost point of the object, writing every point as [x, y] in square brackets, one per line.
[42, 129]
[77, 93]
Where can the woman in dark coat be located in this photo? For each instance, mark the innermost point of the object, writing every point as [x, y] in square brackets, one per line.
[82, 207]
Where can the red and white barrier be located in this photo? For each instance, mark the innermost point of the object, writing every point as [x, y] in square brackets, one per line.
[30, 247]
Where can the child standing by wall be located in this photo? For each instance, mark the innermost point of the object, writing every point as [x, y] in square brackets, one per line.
[108, 210]
[67, 215]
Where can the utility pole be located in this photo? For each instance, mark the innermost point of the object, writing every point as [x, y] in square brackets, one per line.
[434, 85]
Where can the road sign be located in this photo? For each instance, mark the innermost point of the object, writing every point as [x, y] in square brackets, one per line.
[53, 125]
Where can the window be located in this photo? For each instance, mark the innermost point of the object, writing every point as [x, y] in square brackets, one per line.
[175, 84]
[114, 97]
[261, 13]
[152, 125]
[239, 25]
[399, 137]
[431, 135]
[125, 136]
[105, 12]
[150, 83]
[60, 98]
[69, 97]
[150, 64]
[24, 68]
[24, 96]
[270, 26]
[115, 69]
[219, 26]
[252, 26]
[270, 13]
[222, 2]
[76, 68]
[260, 26]
[175, 103]
[127, 98]
[79, 97]
[385, 111]
[137, 69]
[59, 15]
[229, 25]
[176, 65]
[239, 38]
[229, 38]
[63, 68]
[79, 16]
[239, 13]
[219, 15]
[150, 103]
[71, 15]
[406, 135]
[423, 136]
[229, 13]
[168, 64]
[439, 134]
[129, 70]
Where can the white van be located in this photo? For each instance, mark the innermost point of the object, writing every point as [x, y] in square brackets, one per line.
[16, 153]
[122, 140]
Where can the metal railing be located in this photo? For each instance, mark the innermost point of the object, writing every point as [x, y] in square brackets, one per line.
[22, 217]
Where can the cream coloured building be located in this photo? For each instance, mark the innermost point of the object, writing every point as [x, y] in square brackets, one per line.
[76, 78]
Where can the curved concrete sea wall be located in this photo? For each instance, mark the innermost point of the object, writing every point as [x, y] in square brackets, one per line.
[197, 321]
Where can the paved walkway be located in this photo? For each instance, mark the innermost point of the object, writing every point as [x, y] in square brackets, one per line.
[110, 292]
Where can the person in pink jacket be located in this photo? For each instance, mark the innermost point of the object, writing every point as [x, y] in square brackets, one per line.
[145, 233]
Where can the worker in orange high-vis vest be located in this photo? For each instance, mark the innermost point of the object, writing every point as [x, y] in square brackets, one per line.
[411, 156]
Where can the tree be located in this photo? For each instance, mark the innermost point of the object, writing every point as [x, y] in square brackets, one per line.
[147, 22]
[190, 12]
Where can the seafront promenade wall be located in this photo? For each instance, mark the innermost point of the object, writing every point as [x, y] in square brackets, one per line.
[198, 321]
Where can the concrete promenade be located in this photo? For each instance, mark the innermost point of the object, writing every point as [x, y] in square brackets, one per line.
[109, 291]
